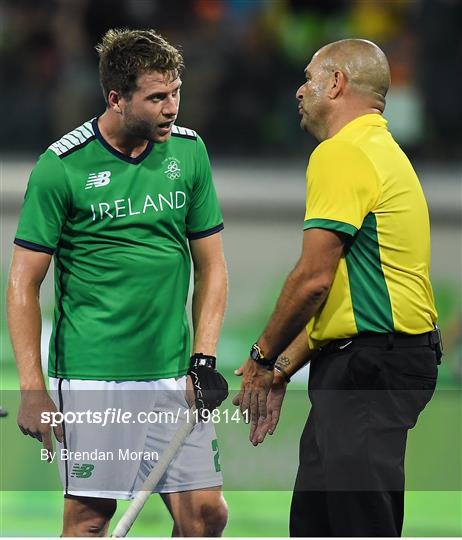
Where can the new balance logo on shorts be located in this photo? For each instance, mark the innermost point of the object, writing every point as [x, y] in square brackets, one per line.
[82, 471]
[98, 179]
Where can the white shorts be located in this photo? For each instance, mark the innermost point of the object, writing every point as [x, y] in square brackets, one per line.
[115, 432]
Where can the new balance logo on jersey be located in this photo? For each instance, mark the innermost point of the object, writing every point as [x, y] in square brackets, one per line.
[82, 471]
[98, 179]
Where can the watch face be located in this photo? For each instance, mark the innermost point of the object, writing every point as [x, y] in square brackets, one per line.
[255, 353]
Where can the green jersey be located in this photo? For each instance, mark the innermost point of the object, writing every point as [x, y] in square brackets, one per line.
[118, 228]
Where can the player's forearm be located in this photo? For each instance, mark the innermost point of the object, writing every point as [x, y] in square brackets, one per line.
[299, 300]
[208, 306]
[295, 356]
[25, 325]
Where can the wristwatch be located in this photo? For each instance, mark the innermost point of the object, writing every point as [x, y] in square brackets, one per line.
[257, 356]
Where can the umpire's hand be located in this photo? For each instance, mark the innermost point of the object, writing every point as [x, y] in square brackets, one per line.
[33, 403]
[205, 383]
[256, 384]
[274, 401]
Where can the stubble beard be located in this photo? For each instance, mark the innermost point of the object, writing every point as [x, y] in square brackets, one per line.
[313, 124]
[136, 128]
[307, 124]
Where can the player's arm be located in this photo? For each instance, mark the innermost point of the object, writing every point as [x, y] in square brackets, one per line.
[303, 293]
[28, 269]
[210, 292]
[208, 308]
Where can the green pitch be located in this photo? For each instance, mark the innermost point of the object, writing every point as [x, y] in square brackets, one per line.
[250, 514]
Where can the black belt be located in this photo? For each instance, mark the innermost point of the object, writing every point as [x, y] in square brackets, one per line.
[391, 340]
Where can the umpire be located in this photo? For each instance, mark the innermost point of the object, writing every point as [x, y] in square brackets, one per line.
[362, 284]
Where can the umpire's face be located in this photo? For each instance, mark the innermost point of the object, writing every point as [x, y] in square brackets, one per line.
[312, 96]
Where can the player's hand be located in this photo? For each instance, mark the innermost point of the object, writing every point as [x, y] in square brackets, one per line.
[256, 383]
[33, 403]
[274, 401]
[209, 387]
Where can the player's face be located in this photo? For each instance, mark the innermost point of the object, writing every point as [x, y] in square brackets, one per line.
[312, 97]
[153, 107]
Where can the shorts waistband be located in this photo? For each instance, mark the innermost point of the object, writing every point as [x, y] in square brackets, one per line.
[390, 340]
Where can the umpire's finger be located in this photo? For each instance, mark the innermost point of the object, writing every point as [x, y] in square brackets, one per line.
[254, 406]
[274, 422]
[237, 399]
[245, 403]
[262, 403]
[258, 431]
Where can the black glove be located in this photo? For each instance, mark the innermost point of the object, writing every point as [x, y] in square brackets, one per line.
[210, 387]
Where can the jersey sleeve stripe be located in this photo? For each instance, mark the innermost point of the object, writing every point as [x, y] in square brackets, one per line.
[33, 246]
[81, 132]
[207, 232]
[73, 136]
[80, 138]
[76, 147]
[62, 146]
[55, 148]
[90, 131]
[73, 140]
[65, 138]
[330, 224]
[186, 133]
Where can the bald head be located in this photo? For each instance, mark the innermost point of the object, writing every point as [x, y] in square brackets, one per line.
[364, 64]
[344, 80]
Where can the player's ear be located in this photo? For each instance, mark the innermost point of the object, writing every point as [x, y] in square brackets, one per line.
[336, 84]
[113, 101]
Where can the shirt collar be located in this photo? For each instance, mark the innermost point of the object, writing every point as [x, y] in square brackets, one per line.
[373, 119]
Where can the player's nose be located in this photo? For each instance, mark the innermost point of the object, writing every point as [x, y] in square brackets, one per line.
[170, 107]
[300, 92]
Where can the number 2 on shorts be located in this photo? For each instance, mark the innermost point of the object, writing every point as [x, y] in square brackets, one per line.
[217, 455]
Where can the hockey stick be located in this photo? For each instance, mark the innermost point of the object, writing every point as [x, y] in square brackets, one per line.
[126, 521]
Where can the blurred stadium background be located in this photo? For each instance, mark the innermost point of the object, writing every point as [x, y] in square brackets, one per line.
[245, 60]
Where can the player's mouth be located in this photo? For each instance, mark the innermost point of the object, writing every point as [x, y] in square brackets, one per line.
[165, 127]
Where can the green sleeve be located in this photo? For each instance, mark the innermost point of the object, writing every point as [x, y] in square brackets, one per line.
[204, 216]
[45, 207]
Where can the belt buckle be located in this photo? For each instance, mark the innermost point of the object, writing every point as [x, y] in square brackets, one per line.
[436, 341]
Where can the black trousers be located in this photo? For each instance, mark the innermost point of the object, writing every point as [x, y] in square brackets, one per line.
[350, 480]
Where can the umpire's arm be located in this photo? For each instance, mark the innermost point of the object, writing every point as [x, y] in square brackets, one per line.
[28, 269]
[210, 292]
[304, 291]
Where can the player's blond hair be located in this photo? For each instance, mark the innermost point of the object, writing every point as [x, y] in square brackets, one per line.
[125, 54]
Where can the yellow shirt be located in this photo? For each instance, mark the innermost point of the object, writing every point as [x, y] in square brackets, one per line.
[361, 183]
